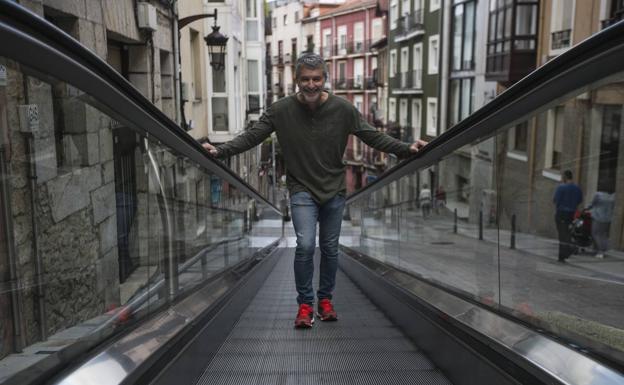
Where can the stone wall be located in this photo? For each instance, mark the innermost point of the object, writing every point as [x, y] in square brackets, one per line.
[63, 209]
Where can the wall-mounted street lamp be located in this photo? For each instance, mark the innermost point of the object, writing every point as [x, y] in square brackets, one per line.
[215, 40]
[216, 43]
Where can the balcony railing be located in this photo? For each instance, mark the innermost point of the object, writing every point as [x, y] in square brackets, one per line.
[408, 80]
[561, 39]
[357, 83]
[352, 47]
[340, 84]
[327, 51]
[410, 23]
[371, 83]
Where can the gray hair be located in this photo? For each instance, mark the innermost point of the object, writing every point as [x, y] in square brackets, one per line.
[312, 61]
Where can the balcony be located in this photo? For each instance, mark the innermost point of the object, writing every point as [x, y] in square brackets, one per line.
[509, 67]
[352, 48]
[371, 83]
[359, 83]
[340, 84]
[560, 39]
[410, 25]
[409, 81]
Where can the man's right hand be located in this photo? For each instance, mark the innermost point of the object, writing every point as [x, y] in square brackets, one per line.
[211, 149]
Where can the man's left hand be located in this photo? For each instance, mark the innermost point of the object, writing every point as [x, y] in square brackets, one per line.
[417, 145]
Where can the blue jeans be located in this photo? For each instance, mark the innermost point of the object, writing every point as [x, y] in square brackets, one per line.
[305, 213]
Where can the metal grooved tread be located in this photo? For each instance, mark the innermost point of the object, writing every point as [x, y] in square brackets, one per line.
[363, 347]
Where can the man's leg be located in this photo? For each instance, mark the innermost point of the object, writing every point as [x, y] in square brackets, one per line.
[330, 220]
[567, 238]
[304, 212]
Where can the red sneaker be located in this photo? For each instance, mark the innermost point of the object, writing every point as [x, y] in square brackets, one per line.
[326, 310]
[305, 317]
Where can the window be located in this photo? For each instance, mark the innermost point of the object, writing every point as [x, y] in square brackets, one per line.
[358, 73]
[285, 19]
[394, 13]
[218, 79]
[251, 27]
[393, 63]
[391, 110]
[251, 9]
[358, 102]
[432, 116]
[327, 42]
[405, 7]
[417, 65]
[434, 5]
[561, 24]
[253, 86]
[358, 37]
[342, 74]
[404, 66]
[219, 114]
[274, 23]
[342, 40]
[461, 103]
[433, 55]
[416, 118]
[463, 27]
[377, 29]
[297, 17]
[511, 34]
[196, 68]
[517, 141]
[403, 112]
[554, 138]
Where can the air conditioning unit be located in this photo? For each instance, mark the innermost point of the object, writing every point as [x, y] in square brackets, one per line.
[147, 16]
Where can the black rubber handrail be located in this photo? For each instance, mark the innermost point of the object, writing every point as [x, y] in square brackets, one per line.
[591, 60]
[31, 24]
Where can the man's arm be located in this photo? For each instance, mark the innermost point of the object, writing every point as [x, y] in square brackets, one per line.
[243, 142]
[383, 142]
[557, 195]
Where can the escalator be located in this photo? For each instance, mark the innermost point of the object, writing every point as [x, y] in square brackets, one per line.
[196, 288]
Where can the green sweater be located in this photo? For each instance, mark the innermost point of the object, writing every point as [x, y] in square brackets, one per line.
[313, 142]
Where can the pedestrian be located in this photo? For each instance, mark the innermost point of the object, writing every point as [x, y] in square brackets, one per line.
[440, 198]
[313, 127]
[425, 200]
[601, 213]
[568, 196]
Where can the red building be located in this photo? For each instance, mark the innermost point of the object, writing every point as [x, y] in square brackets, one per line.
[347, 34]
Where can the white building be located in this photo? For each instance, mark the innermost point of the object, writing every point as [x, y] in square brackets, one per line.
[218, 105]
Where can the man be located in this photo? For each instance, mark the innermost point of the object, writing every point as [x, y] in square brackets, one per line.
[313, 127]
[566, 199]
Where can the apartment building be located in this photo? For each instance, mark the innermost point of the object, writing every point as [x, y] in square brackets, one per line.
[347, 33]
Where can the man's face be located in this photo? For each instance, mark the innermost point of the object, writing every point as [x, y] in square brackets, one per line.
[310, 84]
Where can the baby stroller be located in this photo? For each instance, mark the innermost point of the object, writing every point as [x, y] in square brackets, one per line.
[581, 231]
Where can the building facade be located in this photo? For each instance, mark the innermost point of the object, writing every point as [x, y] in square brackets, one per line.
[80, 174]
[347, 33]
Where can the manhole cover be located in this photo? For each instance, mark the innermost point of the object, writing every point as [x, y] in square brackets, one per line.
[442, 243]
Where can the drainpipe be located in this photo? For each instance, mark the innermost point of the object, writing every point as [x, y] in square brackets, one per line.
[39, 282]
[18, 336]
[176, 60]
